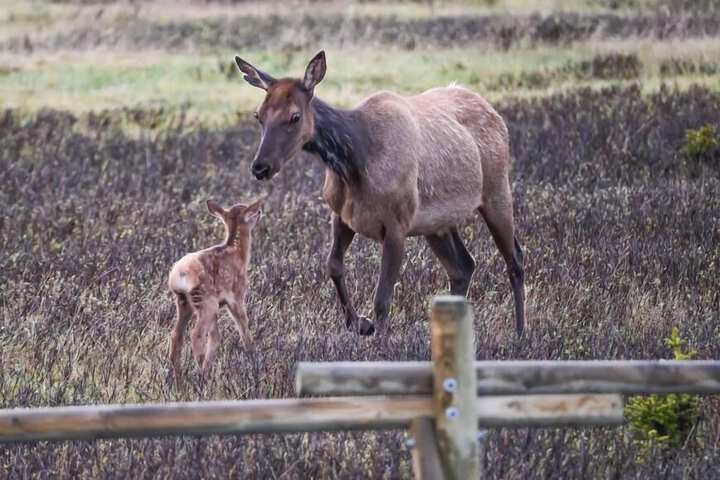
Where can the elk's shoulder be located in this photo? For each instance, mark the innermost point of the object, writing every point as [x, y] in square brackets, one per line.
[382, 102]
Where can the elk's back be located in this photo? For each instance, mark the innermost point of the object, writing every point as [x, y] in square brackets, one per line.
[186, 274]
[434, 150]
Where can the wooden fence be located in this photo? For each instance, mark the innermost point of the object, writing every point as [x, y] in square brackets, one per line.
[443, 403]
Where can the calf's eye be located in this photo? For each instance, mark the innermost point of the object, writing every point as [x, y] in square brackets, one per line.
[295, 117]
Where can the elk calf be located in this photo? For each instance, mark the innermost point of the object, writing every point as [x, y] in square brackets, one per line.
[204, 281]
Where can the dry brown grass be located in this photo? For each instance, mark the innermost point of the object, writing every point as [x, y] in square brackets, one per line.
[622, 235]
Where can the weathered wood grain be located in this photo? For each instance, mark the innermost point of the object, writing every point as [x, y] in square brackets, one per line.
[524, 377]
[453, 353]
[273, 416]
[425, 454]
[250, 416]
[550, 410]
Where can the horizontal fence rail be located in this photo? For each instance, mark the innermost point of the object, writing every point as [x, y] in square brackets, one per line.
[195, 418]
[525, 377]
[549, 410]
[292, 415]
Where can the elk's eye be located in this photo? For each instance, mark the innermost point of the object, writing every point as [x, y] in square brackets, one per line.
[295, 117]
[255, 114]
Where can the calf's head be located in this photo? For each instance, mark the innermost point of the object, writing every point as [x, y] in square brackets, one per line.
[285, 116]
[239, 219]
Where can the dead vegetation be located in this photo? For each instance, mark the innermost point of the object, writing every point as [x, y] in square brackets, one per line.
[309, 29]
[622, 239]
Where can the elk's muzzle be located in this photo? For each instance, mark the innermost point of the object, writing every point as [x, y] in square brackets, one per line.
[261, 171]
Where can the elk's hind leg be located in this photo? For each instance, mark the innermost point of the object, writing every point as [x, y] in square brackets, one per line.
[239, 316]
[458, 263]
[205, 313]
[212, 344]
[183, 314]
[498, 216]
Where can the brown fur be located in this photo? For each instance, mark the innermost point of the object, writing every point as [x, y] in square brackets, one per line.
[399, 166]
[202, 282]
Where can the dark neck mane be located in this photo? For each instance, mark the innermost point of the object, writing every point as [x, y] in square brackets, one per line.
[341, 141]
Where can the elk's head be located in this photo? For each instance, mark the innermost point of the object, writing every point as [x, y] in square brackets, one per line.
[238, 219]
[285, 115]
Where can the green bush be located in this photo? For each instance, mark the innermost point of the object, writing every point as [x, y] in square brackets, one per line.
[664, 421]
[700, 143]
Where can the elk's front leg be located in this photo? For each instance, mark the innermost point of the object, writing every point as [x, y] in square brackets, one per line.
[342, 238]
[392, 257]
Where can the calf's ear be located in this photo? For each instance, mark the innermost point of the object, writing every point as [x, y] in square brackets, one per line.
[215, 209]
[253, 212]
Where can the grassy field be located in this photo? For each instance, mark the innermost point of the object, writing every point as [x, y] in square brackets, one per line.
[20, 16]
[109, 152]
[177, 57]
[208, 89]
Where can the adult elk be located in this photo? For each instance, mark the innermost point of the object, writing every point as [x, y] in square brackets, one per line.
[396, 166]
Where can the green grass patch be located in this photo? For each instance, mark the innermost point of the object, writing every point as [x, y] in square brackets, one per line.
[207, 89]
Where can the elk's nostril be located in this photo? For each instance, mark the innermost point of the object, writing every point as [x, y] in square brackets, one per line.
[260, 171]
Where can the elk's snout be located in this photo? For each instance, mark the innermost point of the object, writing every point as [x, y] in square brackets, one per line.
[261, 171]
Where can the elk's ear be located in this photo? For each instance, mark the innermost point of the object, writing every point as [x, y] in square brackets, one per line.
[315, 71]
[215, 209]
[253, 212]
[254, 76]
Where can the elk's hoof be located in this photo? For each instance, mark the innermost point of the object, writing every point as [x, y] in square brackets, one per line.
[365, 327]
[170, 379]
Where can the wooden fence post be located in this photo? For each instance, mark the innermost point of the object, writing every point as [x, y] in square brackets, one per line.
[425, 453]
[455, 387]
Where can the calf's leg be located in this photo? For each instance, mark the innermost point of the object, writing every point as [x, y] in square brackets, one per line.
[205, 315]
[183, 314]
[239, 315]
[197, 342]
[212, 345]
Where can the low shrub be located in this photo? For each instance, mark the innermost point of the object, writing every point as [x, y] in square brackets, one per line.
[700, 151]
[679, 66]
[603, 67]
[701, 143]
[611, 66]
[665, 421]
